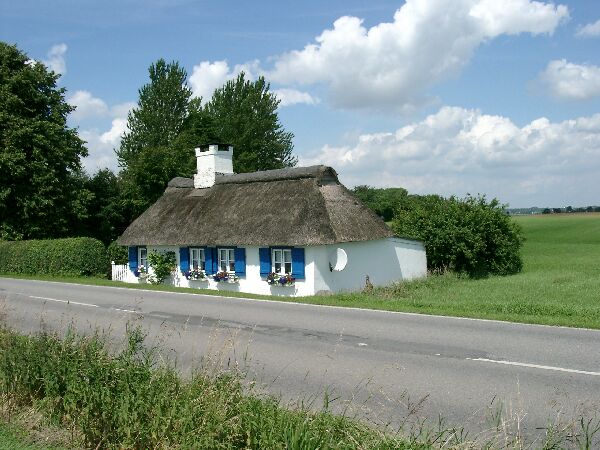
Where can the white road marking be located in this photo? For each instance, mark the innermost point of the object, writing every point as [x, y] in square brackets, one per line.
[125, 310]
[536, 366]
[64, 301]
[362, 344]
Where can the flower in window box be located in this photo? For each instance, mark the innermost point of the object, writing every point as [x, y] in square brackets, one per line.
[141, 271]
[225, 277]
[194, 275]
[275, 279]
[272, 278]
[286, 280]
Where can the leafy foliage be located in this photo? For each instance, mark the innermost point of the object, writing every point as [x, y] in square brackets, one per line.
[71, 256]
[117, 253]
[244, 113]
[163, 107]
[163, 264]
[148, 154]
[383, 201]
[39, 154]
[466, 235]
[106, 218]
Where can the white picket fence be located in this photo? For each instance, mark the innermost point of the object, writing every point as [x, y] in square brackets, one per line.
[119, 272]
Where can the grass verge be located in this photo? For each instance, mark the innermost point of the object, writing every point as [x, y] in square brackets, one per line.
[131, 401]
[558, 286]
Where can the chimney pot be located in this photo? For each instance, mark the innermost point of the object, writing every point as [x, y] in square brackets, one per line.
[212, 159]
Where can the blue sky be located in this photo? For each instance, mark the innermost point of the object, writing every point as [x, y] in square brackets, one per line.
[438, 96]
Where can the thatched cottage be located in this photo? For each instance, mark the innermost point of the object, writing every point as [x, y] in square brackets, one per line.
[295, 231]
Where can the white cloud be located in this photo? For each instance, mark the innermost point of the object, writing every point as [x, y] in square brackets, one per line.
[391, 64]
[571, 81]
[101, 143]
[208, 76]
[86, 105]
[457, 150]
[56, 59]
[290, 97]
[122, 109]
[589, 31]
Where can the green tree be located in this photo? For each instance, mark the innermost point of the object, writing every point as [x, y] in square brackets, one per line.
[244, 113]
[467, 235]
[163, 107]
[40, 156]
[383, 202]
[105, 220]
[150, 153]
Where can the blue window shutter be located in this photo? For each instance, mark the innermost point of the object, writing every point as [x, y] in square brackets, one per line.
[215, 260]
[264, 255]
[208, 258]
[298, 263]
[133, 254]
[240, 261]
[184, 259]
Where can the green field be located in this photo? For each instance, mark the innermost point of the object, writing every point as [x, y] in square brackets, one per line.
[559, 284]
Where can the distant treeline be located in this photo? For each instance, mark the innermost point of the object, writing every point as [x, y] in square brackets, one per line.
[567, 210]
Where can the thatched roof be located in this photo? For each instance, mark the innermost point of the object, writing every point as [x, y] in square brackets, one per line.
[297, 206]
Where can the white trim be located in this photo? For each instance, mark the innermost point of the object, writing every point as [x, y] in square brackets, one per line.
[229, 259]
[201, 258]
[145, 249]
[284, 251]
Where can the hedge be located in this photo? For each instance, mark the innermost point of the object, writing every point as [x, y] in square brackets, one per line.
[470, 235]
[71, 257]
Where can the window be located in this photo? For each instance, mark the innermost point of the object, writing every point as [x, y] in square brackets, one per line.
[143, 257]
[282, 260]
[226, 260]
[197, 259]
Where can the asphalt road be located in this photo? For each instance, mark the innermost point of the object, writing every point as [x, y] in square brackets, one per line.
[385, 367]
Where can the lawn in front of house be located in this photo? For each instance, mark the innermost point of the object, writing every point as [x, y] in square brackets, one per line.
[559, 284]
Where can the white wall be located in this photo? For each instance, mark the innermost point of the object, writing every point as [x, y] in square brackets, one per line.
[252, 282]
[384, 260]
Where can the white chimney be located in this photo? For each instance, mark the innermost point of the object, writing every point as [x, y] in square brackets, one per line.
[211, 160]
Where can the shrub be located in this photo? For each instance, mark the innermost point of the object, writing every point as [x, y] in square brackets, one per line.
[117, 253]
[162, 264]
[466, 235]
[71, 257]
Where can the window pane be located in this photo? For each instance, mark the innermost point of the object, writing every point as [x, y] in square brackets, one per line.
[277, 256]
[194, 258]
[231, 265]
[288, 267]
[287, 256]
[231, 255]
[202, 260]
[277, 267]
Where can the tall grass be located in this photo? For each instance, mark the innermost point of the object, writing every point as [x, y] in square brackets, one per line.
[129, 401]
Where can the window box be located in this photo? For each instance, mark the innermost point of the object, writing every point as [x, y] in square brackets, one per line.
[276, 279]
[141, 272]
[226, 277]
[194, 275]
